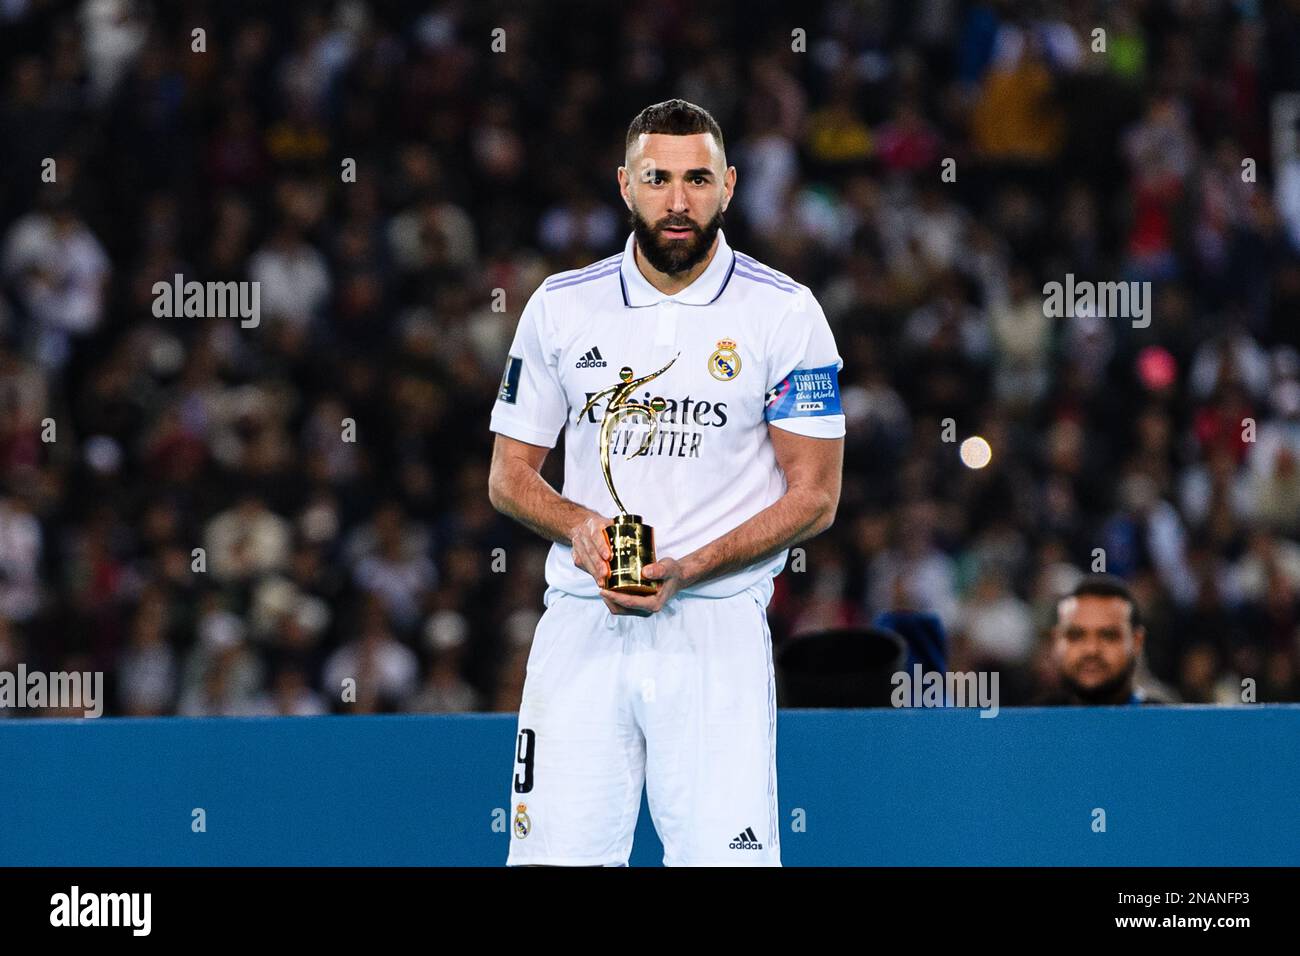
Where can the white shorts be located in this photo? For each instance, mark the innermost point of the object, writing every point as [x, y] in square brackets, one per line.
[682, 701]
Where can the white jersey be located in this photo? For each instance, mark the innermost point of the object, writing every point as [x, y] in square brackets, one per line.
[753, 348]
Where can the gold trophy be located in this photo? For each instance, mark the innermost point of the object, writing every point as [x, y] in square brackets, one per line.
[631, 541]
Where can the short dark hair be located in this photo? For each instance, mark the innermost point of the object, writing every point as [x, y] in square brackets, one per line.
[676, 118]
[1106, 585]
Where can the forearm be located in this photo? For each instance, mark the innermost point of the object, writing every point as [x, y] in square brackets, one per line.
[527, 497]
[797, 515]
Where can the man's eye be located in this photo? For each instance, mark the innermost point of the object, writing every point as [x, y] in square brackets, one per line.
[698, 180]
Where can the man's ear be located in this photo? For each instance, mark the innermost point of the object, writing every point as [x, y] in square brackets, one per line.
[729, 186]
[1139, 638]
[624, 183]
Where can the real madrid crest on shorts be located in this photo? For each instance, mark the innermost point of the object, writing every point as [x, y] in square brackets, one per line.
[522, 824]
[724, 363]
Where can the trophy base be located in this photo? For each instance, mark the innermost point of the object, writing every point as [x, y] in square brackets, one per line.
[631, 548]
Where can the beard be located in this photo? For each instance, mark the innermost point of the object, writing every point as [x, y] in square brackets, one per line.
[675, 256]
[1113, 690]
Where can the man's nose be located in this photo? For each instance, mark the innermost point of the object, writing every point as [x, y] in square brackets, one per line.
[677, 197]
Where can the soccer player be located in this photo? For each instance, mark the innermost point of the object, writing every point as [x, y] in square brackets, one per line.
[673, 691]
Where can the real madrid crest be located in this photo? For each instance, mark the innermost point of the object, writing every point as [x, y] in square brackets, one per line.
[522, 824]
[724, 363]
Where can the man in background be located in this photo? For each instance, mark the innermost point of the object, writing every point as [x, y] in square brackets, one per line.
[1096, 645]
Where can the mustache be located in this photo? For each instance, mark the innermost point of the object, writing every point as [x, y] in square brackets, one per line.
[687, 224]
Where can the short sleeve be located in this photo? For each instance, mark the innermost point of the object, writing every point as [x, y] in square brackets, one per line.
[803, 393]
[531, 405]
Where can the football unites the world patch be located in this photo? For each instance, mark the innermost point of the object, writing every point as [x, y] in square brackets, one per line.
[805, 393]
[509, 391]
[724, 363]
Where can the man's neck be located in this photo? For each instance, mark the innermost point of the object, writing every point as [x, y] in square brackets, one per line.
[672, 284]
[1120, 695]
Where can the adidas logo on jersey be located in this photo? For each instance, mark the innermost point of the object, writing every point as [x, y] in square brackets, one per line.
[746, 841]
[591, 359]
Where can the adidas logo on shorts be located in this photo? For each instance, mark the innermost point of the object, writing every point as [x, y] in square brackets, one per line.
[591, 359]
[746, 841]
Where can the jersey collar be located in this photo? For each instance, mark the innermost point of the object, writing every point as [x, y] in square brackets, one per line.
[638, 292]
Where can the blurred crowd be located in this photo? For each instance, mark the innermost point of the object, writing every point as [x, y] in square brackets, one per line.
[372, 559]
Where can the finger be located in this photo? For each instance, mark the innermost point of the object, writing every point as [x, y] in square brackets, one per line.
[593, 564]
[580, 557]
[601, 539]
[590, 551]
[630, 601]
[618, 597]
[602, 546]
[595, 548]
[580, 537]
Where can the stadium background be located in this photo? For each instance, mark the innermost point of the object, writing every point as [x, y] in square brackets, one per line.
[479, 171]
